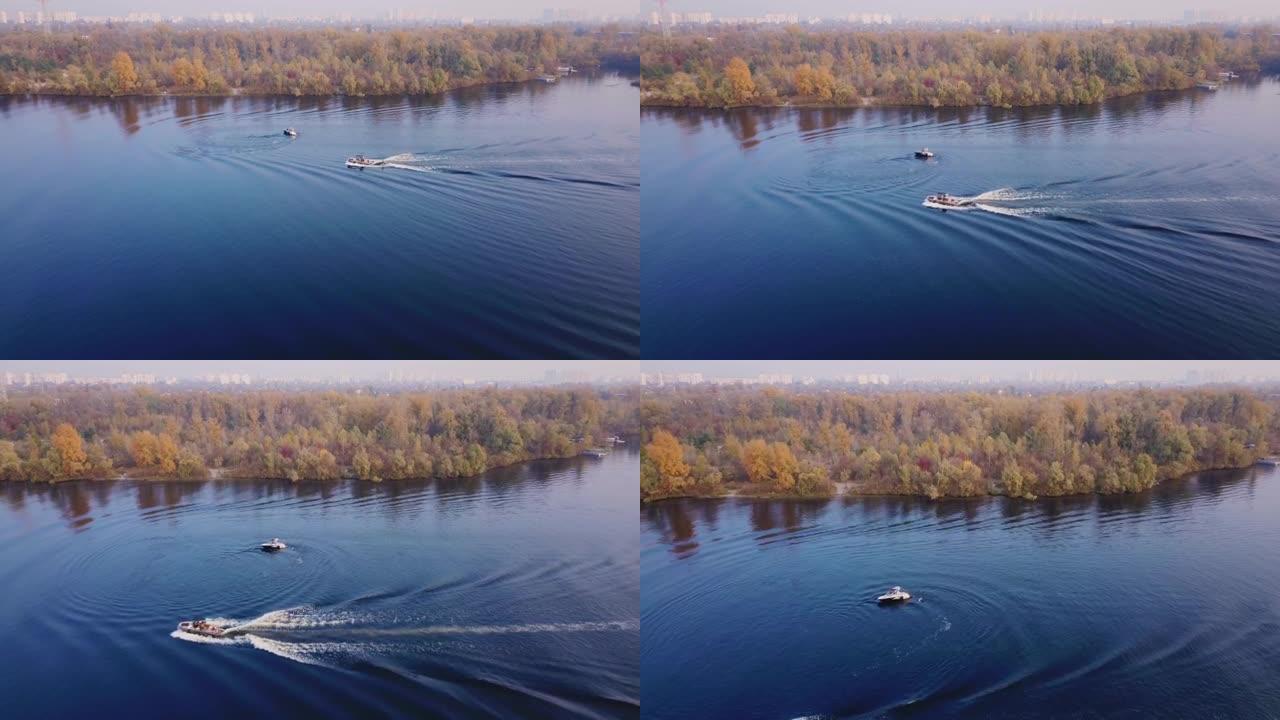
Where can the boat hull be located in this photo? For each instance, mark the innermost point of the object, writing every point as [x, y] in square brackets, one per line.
[945, 206]
[187, 627]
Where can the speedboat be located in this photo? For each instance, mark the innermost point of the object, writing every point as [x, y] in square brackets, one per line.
[201, 627]
[895, 595]
[274, 545]
[1270, 460]
[360, 161]
[924, 153]
[945, 202]
[291, 132]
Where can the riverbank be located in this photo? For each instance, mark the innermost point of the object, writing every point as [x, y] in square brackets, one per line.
[123, 61]
[845, 67]
[50, 89]
[250, 474]
[852, 490]
[654, 102]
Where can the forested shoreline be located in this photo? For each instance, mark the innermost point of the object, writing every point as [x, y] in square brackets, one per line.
[778, 443]
[112, 61]
[953, 68]
[99, 433]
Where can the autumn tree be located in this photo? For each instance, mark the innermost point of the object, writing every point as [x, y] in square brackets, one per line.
[124, 78]
[67, 453]
[741, 89]
[662, 459]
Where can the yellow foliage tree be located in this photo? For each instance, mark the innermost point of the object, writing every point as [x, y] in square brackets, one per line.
[124, 78]
[804, 79]
[190, 75]
[68, 452]
[741, 87]
[667, 456]
[149, 450]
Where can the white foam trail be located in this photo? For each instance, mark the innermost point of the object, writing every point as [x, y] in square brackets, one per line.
[242, 632]
[1011, 212]
[300, 652]
[288, 619]
[414, 168]
[402, 161]
[607, 626]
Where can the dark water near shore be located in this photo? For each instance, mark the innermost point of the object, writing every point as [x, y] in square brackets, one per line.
[191, 227]
[510, 595]
[1164, 604]
[1147, 226]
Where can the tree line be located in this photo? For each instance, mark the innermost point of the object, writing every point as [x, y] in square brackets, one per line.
[86, 433]
[126, 61]
[708, 442]
[735, 67]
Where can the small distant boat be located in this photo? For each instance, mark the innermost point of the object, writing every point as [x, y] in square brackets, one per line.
[548, 78]
[1270, 460]
[596, 452]
[924, 153]
[360, 161]
[945, 202]
[895, 595]
[274, 545]
[291, 132]
[201, 627]
[1207, 85]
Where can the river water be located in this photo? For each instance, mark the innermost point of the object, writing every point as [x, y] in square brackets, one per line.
[507, 226]
[1147, 226]
[509, 595]
[1164, 604]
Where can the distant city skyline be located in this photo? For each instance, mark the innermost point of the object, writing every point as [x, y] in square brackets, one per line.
[896, 371]
[940, 9]
[517, 371]
[262, 9]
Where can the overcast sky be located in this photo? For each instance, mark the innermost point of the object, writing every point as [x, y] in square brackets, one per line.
[1154, 9]
[516, 370]
[1084, 370]
[516, 9]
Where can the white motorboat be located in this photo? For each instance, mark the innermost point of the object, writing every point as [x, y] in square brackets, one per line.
[274, 545]
[201, 627]
[945, 202]
[895, 595]
[924, 153]
[360, 161]
[291, 132]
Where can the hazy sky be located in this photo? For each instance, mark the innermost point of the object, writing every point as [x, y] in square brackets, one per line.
[519, 9]
[1155, 9]
[311, 369]
[1085, 370]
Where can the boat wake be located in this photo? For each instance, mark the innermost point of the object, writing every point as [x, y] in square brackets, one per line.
[407, 161]
[1006, 201]
[277, 632]
[1025, 203]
